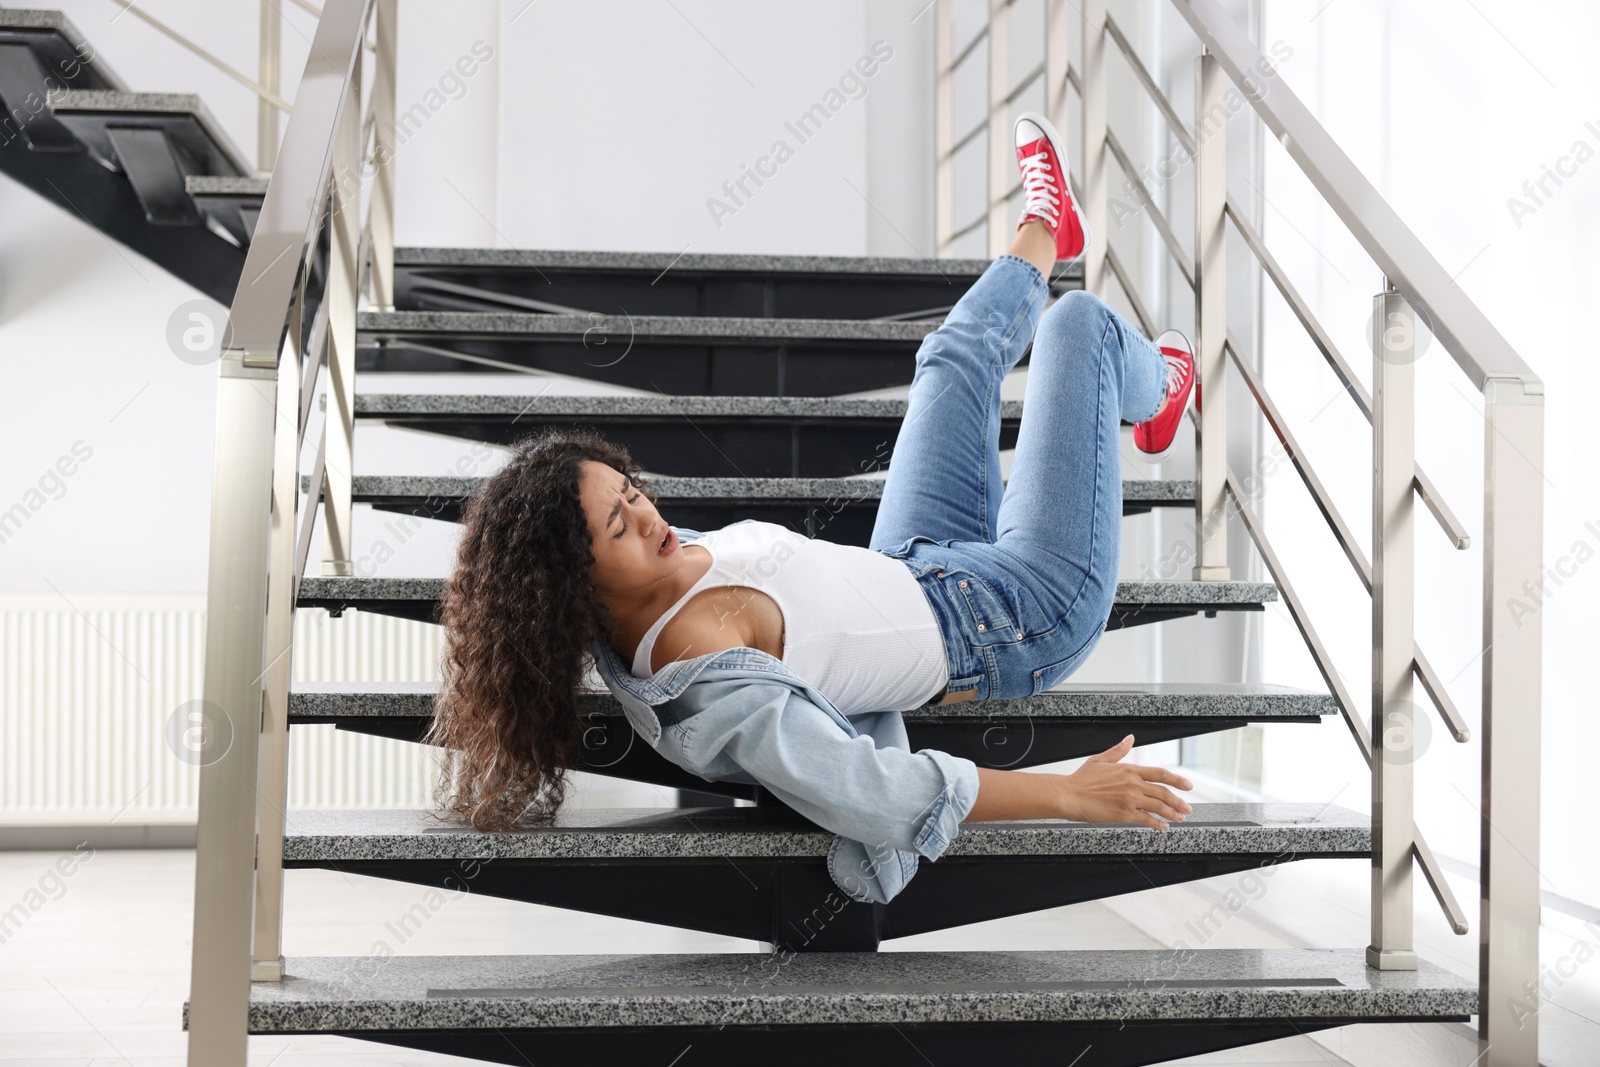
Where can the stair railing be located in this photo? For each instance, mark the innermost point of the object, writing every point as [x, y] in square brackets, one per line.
[281, 327]
[1414, 287]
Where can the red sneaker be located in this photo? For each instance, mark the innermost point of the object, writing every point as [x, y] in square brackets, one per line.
[1154, 436]
[1048, 196]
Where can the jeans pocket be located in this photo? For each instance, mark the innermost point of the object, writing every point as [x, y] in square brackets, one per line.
[991, 618]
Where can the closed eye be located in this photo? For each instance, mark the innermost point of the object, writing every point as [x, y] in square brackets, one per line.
[624, 529]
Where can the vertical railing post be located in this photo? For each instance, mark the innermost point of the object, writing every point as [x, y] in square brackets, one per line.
[1394, 349]
[1513, 562]
[1002, 152]
[380, 219]
[342, 291]
[1094, 145]
[1211, 317]
[245, 479]
[944, 133]
[266, 959]
[271, 22]
[230, 713]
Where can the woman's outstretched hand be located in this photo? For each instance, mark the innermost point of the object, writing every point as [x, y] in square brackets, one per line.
[1107, 790]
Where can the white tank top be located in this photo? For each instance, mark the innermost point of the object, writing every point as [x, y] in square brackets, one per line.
[857, 626]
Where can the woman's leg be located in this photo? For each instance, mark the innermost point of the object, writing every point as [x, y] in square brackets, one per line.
[944, 477]
[1060, 521]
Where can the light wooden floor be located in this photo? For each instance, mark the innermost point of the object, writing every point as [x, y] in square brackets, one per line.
[97, 974]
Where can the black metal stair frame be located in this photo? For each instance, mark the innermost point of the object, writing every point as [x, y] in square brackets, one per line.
[691, 284]
[1068, 722]
[841, 509]
[760, 872]
[76, 136]
[234, 203]
[690, 436]
[157, 140]
[1137, 602]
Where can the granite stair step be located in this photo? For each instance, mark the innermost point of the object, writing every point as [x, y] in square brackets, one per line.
[1106, 1008]
[671, 354]
[664, 283]
[40, 51]
[1137, 602]
[841, 509]
[757, 872]
[1067, 722]
[684, 436]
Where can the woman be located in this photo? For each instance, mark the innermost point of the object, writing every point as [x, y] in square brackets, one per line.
[753, 654]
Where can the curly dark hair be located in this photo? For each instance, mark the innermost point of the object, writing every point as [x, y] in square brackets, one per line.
[520, 615]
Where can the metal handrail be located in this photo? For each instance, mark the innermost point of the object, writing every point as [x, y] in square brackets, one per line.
[1467, 334]
[315, 346]
[260, 421]
[1441, 511]
[1321, 497]
[1416, 289]
[1436, 504]
[1130, 290]
[291, 212]
[1302, 620]
[1432, 873]
[1301, 309]
[1319, 493]
[1440, 696]
[1319, 336]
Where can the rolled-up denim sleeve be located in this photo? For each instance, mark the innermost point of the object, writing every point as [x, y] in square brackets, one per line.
[826, 770]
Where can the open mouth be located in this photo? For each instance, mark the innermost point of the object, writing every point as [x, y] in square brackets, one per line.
[668, 543]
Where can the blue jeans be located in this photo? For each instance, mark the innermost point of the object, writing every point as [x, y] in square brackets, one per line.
[1022, 576]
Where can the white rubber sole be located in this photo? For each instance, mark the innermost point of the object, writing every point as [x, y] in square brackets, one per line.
[1066, 165]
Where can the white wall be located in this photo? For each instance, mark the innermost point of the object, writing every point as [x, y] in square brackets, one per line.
[661, 104]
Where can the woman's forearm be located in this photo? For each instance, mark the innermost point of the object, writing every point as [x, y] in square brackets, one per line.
[1102, 790]
[1020, 795]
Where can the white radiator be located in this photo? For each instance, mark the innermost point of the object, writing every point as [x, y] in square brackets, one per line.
[88, 683]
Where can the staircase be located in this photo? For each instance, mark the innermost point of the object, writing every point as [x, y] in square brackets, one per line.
[744, 361]
[117, 159]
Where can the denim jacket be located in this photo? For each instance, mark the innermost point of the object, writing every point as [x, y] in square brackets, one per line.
[742, 716]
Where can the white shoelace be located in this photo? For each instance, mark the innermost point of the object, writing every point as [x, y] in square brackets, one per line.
[1175, 372]
[1039, 181]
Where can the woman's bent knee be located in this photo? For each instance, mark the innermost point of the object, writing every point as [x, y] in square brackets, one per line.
[1078, 313]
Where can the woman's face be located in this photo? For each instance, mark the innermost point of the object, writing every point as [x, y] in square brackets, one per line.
[633, 547]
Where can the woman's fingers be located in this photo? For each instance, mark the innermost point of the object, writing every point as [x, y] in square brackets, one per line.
[1114, 753]
[1156, 806]
[1168, 797]
[1161, 774]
